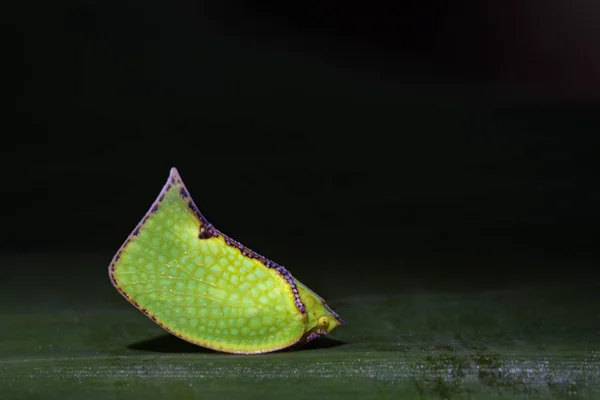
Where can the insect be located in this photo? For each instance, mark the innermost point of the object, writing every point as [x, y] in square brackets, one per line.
[206, 288]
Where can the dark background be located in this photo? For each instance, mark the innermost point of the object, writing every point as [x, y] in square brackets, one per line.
[440, 141]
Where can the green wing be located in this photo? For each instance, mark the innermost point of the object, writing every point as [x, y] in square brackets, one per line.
[202, 286]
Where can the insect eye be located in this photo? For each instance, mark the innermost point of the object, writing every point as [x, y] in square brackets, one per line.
[323, 322]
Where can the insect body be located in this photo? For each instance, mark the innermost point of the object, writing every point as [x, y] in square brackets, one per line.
[210, 290]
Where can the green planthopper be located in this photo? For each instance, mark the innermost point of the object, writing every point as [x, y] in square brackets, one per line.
[208, 289]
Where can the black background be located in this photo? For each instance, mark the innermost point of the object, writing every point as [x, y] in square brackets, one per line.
[456, 137]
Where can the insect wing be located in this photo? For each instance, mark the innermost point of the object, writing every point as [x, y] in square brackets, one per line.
[192, 281]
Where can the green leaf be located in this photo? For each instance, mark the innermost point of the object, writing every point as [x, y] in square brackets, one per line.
[66, 334]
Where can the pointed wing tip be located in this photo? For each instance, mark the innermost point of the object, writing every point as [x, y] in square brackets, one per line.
[174, 176]
[174, 173]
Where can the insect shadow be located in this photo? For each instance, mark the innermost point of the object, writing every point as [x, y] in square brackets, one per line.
[172, 344]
